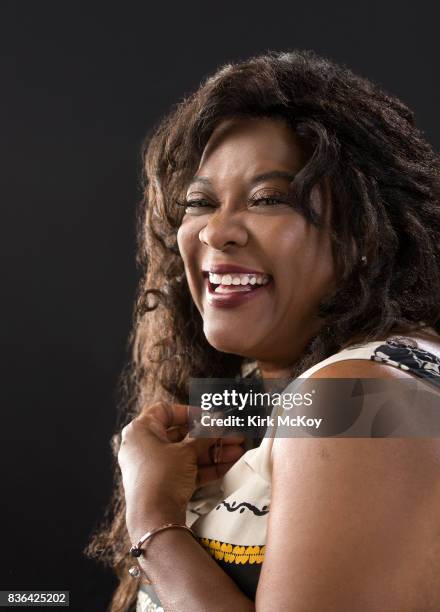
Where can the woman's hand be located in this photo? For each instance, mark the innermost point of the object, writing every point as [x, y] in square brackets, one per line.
[162, 466]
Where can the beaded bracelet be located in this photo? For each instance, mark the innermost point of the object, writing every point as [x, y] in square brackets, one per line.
[137, 551]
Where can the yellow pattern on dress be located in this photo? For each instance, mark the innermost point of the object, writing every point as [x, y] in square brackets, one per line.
[233, 554]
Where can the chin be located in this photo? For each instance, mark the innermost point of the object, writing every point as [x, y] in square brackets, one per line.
[225, 343]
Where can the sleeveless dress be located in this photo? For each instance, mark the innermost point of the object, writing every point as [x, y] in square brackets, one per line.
[230, 516]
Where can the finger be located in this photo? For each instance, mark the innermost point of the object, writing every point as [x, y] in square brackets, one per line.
[168, 414]
[176, 434]
[145, 426]
[227, 454]
[199, 445]
[212, 472]
[233, 440]
[157, 428]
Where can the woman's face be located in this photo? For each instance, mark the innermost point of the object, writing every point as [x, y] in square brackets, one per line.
[242, 221]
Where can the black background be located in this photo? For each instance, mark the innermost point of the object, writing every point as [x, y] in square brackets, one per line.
[81, 84]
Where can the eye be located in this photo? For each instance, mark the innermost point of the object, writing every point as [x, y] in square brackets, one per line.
[271, 199]
[194, 204]
[268, 201]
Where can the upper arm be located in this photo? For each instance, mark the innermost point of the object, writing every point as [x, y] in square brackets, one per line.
[354, 523]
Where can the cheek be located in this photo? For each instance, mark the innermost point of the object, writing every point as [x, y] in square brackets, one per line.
[289, 240]
[302, 257]
[187, 241]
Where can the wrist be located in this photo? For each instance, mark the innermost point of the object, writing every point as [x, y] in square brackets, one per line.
[141, 521]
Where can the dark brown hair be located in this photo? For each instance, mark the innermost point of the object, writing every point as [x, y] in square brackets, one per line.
[385, 188]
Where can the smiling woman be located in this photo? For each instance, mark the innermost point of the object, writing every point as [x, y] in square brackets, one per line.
[290, 226]
[250, 222]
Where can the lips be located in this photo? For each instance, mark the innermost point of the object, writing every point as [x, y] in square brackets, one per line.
[231, 299]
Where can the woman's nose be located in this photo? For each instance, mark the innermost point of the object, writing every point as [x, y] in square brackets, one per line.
[224, 229]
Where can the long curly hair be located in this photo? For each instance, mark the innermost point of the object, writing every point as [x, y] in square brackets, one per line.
[385, 190]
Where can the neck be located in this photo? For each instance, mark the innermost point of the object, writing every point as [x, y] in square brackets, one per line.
[287, 366]
[273, 370]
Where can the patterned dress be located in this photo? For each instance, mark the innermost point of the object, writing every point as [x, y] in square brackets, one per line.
[230, 516]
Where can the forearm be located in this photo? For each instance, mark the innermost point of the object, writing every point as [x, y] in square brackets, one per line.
[185, 576]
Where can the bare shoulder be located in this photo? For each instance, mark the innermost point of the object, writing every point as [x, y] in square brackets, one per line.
[423, 452]
[354, 521]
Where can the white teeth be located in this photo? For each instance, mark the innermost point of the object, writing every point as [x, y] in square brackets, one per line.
[238, 279]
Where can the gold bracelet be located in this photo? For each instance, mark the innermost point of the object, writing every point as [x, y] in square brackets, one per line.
[137, 551]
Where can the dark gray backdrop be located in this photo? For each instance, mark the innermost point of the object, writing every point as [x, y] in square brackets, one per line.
[81, 83]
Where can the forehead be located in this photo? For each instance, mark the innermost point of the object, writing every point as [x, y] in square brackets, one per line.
[240, 147]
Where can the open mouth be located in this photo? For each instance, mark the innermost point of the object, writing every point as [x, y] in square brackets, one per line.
[236, 283]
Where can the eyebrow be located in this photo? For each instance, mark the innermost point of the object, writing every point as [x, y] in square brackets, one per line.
[259, 178]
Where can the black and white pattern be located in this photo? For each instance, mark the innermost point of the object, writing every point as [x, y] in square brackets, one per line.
[416, 360]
